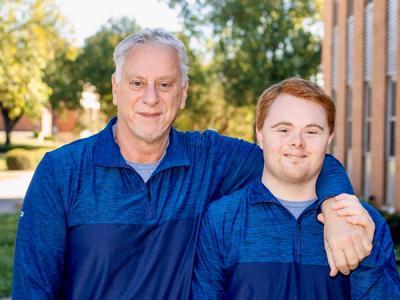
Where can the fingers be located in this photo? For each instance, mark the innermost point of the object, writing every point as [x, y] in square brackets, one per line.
[359, 248]
[357, 220]
[367, 242]
[367, 234]
[342, 202]
[348, 197]
[321, 218]
[340, 260]
[370, 229]
[351, 211]
[333, 270]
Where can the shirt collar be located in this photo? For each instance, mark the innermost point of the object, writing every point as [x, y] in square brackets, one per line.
[107, 152]
[259, 193]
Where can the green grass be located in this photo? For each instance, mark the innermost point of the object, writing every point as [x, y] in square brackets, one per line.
[8, 228]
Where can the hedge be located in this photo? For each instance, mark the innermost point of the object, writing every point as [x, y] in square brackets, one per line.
[22, 159]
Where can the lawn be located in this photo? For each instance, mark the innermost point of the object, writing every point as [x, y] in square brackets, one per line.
[8, 228]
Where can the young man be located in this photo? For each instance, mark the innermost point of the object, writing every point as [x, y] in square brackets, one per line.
[264, 241]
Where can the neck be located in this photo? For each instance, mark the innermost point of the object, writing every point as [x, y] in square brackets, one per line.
[289, 190]
[139, 151]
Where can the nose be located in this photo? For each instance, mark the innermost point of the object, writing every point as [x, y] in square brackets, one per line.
[297, 140]
[150, 95]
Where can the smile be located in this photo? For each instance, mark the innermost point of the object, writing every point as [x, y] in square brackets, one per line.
[295, 155]
[149, 115]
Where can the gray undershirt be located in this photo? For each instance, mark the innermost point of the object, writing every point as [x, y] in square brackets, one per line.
[296, 207]
[144, 170]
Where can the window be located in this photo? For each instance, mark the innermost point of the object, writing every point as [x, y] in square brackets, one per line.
[350, 8]
[390, 141]
[367, 140]
[348, 128]
[335, 12]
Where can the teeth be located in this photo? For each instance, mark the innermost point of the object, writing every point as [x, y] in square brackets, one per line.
[295, 156]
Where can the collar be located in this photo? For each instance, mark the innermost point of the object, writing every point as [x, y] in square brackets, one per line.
[259, 193]
[108, 154]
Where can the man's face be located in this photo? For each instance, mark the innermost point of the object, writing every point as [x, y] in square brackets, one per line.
[294, 139]
[149, 93]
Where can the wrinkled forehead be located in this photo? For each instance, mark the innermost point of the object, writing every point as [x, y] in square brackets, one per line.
[152, 57]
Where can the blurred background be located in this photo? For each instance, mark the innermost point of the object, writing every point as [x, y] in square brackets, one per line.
[56, 66]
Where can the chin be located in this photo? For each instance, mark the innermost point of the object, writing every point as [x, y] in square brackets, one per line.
[297, 177]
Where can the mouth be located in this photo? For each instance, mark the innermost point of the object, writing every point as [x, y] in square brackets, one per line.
[295, 156]
[149, 115]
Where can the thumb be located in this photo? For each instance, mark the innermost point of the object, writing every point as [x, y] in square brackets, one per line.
[321, 218]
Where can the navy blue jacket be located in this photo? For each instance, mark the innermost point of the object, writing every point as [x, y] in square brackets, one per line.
[251, 247]
[92, 229]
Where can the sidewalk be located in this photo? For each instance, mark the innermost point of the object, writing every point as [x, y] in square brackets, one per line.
[13, 186]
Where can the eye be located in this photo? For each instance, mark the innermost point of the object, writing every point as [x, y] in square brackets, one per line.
[136, 83]
[165, 85]
[283, 130]
[312, 132]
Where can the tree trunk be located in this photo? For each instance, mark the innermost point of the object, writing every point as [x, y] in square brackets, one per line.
[9, 124]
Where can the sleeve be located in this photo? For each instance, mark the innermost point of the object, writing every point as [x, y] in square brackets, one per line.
[377, 276]
[208, 276]
[238, 162]
[241, 162]
[40, 241]
[333, 179]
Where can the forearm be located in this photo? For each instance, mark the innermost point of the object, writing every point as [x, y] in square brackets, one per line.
[333, 179]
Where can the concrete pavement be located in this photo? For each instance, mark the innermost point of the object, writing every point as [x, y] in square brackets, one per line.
[13, 186]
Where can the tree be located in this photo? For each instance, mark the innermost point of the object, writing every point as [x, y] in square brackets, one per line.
[30, 36]
[254, 43]
[63, 77]
[96, 59]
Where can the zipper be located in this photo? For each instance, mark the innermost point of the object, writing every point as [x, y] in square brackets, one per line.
[298, 241]
[150, 210]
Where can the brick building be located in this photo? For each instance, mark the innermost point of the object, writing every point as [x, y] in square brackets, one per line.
[360, 63]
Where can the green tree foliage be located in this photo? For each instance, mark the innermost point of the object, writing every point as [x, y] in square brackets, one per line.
[96, 60]
[255, 43]
[30, 36]
[63, 77]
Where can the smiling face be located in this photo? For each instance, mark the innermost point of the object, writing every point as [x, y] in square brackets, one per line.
[149, 93]
[294, 139]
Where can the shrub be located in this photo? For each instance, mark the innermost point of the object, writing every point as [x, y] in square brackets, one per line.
[22, 159]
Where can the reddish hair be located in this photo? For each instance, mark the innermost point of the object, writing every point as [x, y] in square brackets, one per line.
[300, 88]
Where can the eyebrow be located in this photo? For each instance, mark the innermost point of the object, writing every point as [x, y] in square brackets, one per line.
[167, 77]
[291, 124]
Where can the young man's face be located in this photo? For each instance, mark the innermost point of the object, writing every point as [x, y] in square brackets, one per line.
[294, 139]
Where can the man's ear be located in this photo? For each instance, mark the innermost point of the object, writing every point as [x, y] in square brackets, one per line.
[330, 139]
[259, 138]
[114, 84]
[184, 95]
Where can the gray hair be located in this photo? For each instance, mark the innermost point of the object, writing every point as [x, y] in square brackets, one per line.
[157, 35]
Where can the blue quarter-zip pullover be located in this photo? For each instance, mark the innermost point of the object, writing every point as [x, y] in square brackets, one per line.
[251, 247]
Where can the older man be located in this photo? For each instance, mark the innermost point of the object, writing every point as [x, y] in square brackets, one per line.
[117, 215]
[264, 242]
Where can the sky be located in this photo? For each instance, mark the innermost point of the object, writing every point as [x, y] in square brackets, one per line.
[87, 16]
